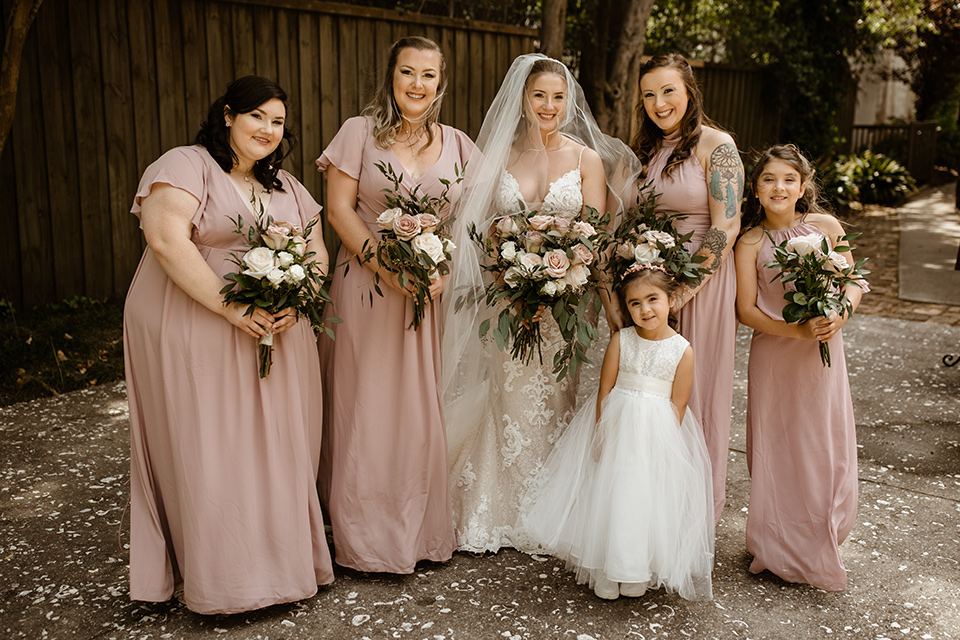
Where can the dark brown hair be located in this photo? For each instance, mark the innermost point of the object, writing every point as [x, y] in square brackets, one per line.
[809, 202]
[657, 278]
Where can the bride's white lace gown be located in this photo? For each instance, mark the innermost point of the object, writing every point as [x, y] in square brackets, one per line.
[496, 464]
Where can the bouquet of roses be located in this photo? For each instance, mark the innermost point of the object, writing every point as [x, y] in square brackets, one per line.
[541, 262]
[276, 273]
[645, 236]
[819, 276]
[412, 241]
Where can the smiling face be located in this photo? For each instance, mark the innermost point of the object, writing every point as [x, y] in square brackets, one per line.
[778, 189]
[256, 134]
[416, 78]
[664, 98]
[649, 308]
[546, 101]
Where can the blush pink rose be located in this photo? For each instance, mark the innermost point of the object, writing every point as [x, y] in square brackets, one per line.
[582, 255]
[533, 241]
[506, 227]
[556, 263]
[562, 225]
[540, 223]
[584, 229]
[406, 226]
[428, 222]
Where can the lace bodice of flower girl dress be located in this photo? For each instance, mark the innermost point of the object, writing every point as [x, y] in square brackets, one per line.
[649, 359]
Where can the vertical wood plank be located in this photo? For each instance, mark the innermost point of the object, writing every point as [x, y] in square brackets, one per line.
[475, 98]
[90, 158]
[288, 77]
[56, 86]
[349, 89]
[30, 157]
[143, 91]
[121, 137]
[196, 75]
[265, 41]
[170, 74]
[329, 109]
[244, 49]
[219, 52]
[11, 277]
[310, 122]
[366, 61]
[490, 80]
[461, 83]
[449, 56]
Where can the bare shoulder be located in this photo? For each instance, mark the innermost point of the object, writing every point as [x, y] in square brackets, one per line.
[751, 238]
[711, 138]
[590, 160]
[826, 223]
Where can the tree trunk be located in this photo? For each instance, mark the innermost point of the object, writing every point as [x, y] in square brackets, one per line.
[18, 25]
[553, 24]
[610, 61]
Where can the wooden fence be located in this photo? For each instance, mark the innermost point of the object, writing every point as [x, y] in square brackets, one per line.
[736, 99]
[106, 86]
[914, 144]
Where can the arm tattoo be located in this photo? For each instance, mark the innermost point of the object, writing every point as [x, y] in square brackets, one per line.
[726, 178]
[715, 241]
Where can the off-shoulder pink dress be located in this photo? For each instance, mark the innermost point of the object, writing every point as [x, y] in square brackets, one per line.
[709, 321]
[222, 463]
[801, 446]
[384, 473]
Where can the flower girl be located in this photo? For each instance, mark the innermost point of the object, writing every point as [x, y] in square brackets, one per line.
[625, 498]
[801, 437]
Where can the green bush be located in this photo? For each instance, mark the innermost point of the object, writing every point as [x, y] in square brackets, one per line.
[867, 178]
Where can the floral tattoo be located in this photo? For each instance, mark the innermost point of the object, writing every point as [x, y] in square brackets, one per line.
[714, 242]
[726, 177]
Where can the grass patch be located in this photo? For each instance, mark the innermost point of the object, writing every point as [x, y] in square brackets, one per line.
[56, 348]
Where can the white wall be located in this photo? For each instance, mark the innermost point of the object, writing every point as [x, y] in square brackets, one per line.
[879, 96]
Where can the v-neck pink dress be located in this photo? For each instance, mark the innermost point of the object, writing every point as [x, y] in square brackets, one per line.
[709, 321]
[384, 472]
[223, 463]
[801, 445]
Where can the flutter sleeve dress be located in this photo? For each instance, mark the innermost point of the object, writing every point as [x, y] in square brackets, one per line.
[801, 446]
[384, 472]
[222, 463]
[709, 321]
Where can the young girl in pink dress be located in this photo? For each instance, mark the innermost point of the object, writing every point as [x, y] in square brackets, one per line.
[625, 497]
[801, 437]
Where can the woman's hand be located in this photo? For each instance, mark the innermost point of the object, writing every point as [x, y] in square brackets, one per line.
[826, 328]
[392, 280]
[614, 319]
[256, 325]
[436, 287]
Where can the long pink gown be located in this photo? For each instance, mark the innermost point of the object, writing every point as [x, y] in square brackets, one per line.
[709, 321]
[222, 463]
[384, 472]
[801, 446]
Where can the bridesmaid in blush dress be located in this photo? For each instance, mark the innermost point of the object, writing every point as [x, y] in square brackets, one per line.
[223, 463]
[383, 472]
[697, 171]
[801, 436]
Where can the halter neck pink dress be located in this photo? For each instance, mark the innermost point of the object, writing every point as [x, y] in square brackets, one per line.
[801, 446]
[383, 468]
[709, 321]
[223, 463]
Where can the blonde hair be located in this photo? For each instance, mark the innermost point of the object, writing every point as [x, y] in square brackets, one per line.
[386, 115]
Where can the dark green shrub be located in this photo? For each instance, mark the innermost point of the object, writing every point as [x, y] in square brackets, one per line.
[867, 178]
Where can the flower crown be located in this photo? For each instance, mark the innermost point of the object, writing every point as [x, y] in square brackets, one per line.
[640, 266]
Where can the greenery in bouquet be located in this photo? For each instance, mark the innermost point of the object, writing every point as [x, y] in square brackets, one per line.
[541, 263]
[819, 277]
[413, 243]
[646, 236]
[277, 273]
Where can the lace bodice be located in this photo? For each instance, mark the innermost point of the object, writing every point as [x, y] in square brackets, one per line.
[564, 196]
[652, 359]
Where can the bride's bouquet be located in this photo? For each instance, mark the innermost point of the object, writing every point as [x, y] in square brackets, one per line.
[413, 243]
[645, 236]
[819, 276]
[277, 273]
[541, 264]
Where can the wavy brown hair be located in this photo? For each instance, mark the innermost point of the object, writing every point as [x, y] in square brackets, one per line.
[383, 108]
[809, 202]
[649, 137]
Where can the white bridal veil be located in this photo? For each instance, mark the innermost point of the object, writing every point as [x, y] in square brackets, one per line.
[508, 141]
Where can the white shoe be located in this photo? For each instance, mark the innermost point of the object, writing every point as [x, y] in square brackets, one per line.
[633, 589]
[606, 589]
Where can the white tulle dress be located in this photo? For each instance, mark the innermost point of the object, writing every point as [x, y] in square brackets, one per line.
[643, 513]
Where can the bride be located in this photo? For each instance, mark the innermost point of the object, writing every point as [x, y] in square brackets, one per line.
[539, 149]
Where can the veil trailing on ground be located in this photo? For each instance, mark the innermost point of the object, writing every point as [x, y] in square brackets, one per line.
[509, 140]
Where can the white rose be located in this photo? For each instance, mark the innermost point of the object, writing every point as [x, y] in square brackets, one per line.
[804, 245]
[260, 261]
[836, 262]
[664, 238]
[295, 274]
[507, 227]
[576, 276]
[285, 259]
[646, 253]
[549, 288]
[512, 277]
[508, 251]
[448, 246]
[276, 276]
[625, 251]
[298, 246]
[431, 245]
[385, 219]
[529, 262]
